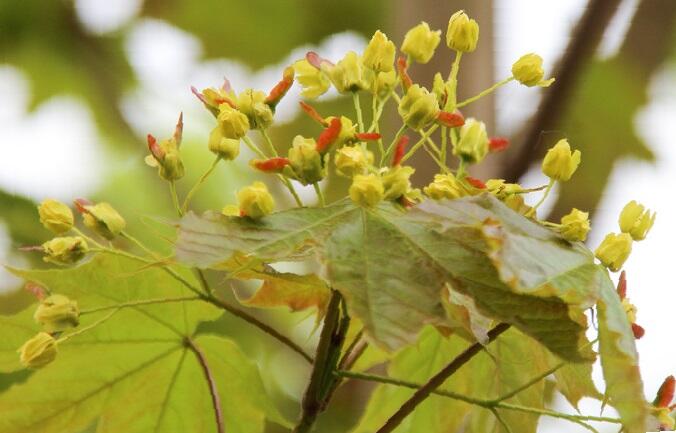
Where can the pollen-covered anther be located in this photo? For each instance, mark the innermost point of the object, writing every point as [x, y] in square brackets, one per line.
[451, 120]
[497, 144]
[328, 135]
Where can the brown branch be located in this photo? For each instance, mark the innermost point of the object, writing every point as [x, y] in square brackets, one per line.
[584, 40]
[330, 342]
[437, 380]
[260, 325]
[213, 389]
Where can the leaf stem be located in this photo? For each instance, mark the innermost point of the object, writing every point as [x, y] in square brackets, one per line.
[357, 107]
[453, 80]
[419, 143]
[138, 303]
[199, 183]
[88, 328]
[484, 92]
[174, 197]
[320, 194]
[438, 379]
[213, 389]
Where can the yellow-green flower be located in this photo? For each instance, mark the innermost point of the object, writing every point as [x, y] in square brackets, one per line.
[306, 165]
[232, 123]
[255, 201]
[313, 81]
[57, 313]
[575, 225]
[462, 33]
[420, 43]
[38, 351]
[560, 163]
[381, 83]
[103, 219]
[55, 216]
[252, 104]
[528, 71]
[473, 144]
[445, 186]
[348, 74]
[397, 181]
[65, 250]
[353, 160]
[614, 250]
[636, 220]
[226, 148]
[418, 108]
[367, 190]
[379, 53]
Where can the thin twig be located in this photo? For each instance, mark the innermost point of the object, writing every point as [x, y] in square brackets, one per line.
[213, 389]
[437, 380]
[139, 303]
[199, 183]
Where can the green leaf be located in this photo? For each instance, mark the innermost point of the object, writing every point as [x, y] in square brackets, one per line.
[133, 372]
[574, 381]
[393, 267]
[619, 359]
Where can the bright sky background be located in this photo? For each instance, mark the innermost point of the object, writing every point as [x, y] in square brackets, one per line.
[39, 147]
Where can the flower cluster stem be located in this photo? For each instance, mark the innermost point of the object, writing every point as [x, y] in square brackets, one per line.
[199, 183]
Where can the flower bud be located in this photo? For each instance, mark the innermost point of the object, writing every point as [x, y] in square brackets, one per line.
[418, 108]
[560, 163]
[614, 250]
[226, 148]
[255, 201]
[440, 89]
[420, 43]
[473, 144]
[445, 186]
[348, 74]
[348, 131]
[313, 80]
[252, 104]
[528, 71]
[463, 33]
[233, 123]
[166, 155]
[103, 219]
[353, 160]
[38, 351]
[396, 181]
[57, 313]
[55, 216]
[306, 162]
[636, 220]
[575, 226]
[212, 98]
[379, 53]
[65, 250]
[367, 190]
[665, 395]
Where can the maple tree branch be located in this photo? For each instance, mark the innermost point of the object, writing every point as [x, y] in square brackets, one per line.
[438, 379]
[213, 389]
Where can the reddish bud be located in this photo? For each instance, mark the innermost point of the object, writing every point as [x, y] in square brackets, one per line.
[80, 204]
[406, 81]
[328, 135]
[272, 165]
[666, 392]
[178, 132]
[316, 60]
[280, 89]
[451, 120]
[199, 95]
[313, 113]
[637, 330]
[37, 290]
[154, 149]
[476, 183]
[400, 150]
[622, 285]
[405, 202]
[498, 144]
[368, 136]
[226, 87]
